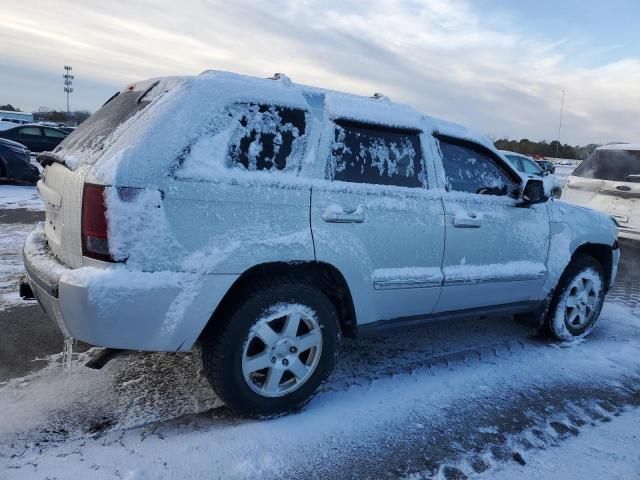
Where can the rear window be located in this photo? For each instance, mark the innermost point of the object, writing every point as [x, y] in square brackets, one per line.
[615, 165]
[91, 133]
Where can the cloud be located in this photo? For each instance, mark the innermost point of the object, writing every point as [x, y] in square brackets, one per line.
[442, 56]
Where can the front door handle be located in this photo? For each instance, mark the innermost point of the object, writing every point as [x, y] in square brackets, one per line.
[467, 220]
[336, 214]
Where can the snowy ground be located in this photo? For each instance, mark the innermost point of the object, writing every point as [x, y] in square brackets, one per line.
[19, 196]
[478, 398]
[19, 206]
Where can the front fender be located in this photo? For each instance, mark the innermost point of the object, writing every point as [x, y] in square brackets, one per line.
[573, 226]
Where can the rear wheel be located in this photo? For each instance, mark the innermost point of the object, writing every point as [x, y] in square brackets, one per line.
[577, 302]
[270, 351]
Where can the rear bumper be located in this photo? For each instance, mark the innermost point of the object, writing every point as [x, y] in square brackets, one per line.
[120, 308]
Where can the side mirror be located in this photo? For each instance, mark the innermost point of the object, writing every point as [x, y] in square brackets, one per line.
[534, 192]
[545, 173]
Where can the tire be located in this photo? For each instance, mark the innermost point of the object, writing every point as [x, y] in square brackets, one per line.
[583, 283]
[252, 343]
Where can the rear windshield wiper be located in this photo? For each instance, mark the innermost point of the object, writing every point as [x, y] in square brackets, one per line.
[47, 158]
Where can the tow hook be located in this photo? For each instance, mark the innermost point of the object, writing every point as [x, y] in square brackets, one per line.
[25, 289]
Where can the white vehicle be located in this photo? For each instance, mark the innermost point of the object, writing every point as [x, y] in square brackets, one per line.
[18, 118]
[609, 180]
[264, 219]
[530, 169]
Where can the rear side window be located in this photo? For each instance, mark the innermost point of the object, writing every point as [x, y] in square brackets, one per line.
[266, 137]
[615, 165]
[363, 153]
[32, 131]
[471, 170]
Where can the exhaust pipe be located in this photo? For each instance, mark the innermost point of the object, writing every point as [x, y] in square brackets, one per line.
[25, 289]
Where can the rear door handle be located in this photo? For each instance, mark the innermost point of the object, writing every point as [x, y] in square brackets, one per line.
[470, 220]
[336, 214]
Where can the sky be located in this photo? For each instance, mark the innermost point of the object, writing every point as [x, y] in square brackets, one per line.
[497, 66]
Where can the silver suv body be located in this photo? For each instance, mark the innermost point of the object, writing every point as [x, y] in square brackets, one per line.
[210, 208]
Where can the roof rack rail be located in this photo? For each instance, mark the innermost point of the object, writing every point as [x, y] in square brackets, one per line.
[381, 96]
[281, 77]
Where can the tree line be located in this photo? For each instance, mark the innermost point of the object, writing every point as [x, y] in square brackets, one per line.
[546, 149]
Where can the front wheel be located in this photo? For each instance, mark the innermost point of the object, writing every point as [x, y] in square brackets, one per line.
[578, 300]
[271, 351]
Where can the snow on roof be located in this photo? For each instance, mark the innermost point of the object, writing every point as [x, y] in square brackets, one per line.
[620, 146]
[187, 107]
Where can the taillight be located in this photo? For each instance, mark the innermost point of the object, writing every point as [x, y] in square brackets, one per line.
[95, 236]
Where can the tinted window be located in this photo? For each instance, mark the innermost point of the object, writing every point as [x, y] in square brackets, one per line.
[266, 136]
[364, 153]
[34, 131]
[50, 132]
[473, 171]
[616, 165]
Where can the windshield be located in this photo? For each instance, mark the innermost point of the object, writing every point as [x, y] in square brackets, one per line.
[615, 165]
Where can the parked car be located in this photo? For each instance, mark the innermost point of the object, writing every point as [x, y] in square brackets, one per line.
[546, 165]
[36, 137]
[15, 163]
[530, 168]
[609, 180]
[265, 220]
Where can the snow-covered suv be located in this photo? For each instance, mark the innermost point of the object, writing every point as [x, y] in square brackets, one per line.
[265, 219]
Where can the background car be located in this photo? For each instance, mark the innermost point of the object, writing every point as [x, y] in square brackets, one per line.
[609, 180]
[15, 163]
[36, 137]
[546, 165]
[531, 169]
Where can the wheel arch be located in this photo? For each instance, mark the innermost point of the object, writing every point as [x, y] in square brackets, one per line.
[601, 252]
[324, 275]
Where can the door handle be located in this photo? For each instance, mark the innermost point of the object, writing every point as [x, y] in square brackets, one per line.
[336, 214]
[469, 220]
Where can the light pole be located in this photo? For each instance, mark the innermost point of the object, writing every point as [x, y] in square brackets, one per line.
[68, 82]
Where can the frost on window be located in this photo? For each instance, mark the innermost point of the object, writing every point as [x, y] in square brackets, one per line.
[468, 170]
[370, 154]
[266, 137]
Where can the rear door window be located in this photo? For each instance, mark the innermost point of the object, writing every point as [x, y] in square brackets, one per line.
[614, 165]
[364, 153]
